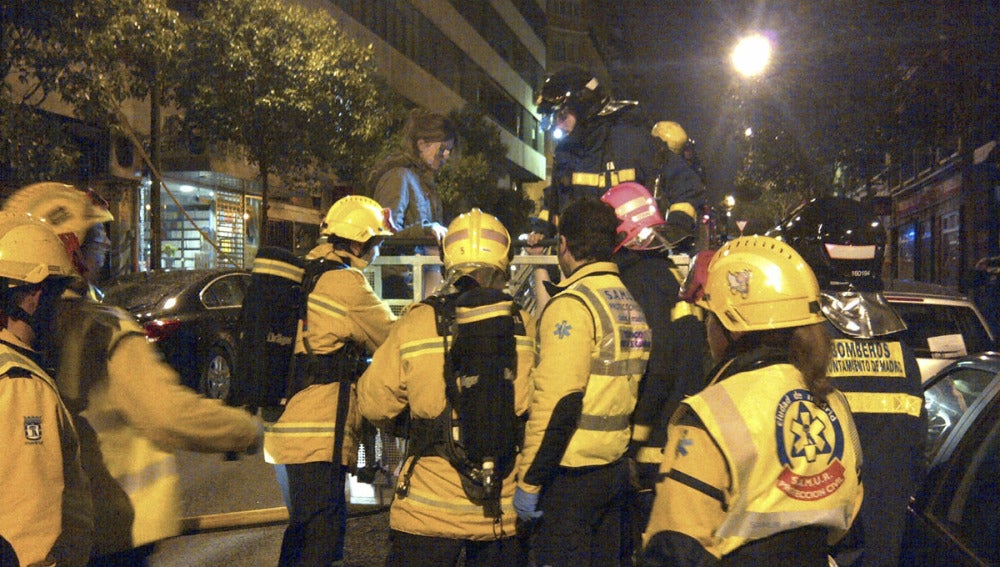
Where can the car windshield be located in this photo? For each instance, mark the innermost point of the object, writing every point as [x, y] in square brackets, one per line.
[942, 330]
[948, 398]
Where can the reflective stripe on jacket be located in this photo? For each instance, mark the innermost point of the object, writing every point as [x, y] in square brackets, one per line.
[793, 463]
[594, 342]
[342, 307]
[408, 371]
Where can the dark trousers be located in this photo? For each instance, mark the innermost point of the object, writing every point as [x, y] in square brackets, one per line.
[136, 557]
[583, 513]
[409, 550]
[317, 516]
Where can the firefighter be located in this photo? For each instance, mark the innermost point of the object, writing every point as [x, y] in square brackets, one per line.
[602, 142]
[844, 243]
[678, 188]
[129, 421]
[45, 504]
[433, 518]
[677, 357]
[316, 435]
[763, 467]
[593, 346]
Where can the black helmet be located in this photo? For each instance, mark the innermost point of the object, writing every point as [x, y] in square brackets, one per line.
[572, 88]
[842, 240]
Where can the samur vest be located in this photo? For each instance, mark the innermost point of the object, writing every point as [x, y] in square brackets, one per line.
[793, 463]
[618, 361]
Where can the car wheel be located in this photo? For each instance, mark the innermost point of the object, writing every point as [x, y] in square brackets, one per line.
[217, 374]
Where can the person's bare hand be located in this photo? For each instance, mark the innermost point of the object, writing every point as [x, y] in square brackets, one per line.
[439, 231]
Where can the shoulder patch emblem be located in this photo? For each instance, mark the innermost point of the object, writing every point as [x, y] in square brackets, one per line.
[562, 329]
[33, 429]
[810, 447]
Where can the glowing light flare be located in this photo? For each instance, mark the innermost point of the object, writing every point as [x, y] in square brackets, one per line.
[751, 55]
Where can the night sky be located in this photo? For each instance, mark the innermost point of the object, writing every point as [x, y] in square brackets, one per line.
[681, 56]
[826, 52]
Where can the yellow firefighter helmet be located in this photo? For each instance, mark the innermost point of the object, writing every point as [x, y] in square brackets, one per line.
[757, 283]
[475, 240]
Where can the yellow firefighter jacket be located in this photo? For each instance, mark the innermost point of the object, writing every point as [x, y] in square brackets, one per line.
[408, 370]
[341, 307]
[45, 506]
[773, 459]
[593, 341]
[132, 412]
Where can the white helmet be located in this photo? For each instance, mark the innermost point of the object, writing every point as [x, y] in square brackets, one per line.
[67, 209]
[30, 251]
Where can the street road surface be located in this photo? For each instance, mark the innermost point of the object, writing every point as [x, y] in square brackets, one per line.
[214, 486]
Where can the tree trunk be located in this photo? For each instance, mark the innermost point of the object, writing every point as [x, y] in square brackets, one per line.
[264, 236]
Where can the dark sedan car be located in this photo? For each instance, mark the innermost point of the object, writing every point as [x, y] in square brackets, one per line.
[955, 517]
[192, 317]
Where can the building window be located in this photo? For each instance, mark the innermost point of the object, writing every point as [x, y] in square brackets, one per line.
[907, 252]
[951, 249]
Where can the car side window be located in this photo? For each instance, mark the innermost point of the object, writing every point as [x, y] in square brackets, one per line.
[968, 501]
[947, 399]
[227, 291]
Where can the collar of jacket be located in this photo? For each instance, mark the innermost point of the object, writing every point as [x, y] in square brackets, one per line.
[326, 250]
[591, 269]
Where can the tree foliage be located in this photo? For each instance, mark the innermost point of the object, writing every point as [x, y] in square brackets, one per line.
[281, 82]
[89, 55]
[472, 178]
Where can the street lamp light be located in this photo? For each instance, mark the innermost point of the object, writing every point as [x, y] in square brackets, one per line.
[751, 55]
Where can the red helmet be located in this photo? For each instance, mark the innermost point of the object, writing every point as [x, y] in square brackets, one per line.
[693, 289]
[636, 209]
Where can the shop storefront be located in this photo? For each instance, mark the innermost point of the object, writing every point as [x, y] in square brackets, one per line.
[195, 215]
[927, 218]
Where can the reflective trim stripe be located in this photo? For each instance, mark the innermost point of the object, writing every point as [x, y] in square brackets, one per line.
[600, 179]
[649, 455]
[756, 525]
[641, 432]
[619, 368]
[525, 342]
[464, 506]
[278, 268]
[683, 309]
[879, 402]
[464, 315]
[416, 348]
[324, 306]
[484, 234]
[320, 429]
[595, 305]
[603, 422]
[738, 437]
[135, 481]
